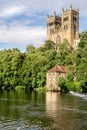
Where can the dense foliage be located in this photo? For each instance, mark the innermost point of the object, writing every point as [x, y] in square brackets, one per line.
[26, 69]
[77, 64]
[29, 69]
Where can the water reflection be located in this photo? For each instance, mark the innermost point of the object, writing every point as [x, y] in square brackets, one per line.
[42, 111]
[67, 112]
[53, 103]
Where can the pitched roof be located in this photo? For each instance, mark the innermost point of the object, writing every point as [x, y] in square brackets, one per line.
[57, 68]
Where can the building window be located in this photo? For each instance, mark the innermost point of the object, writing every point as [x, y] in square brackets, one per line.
[66, 19]
[65, 27]
[54, 73]
[58, 23]
[74, 18]
[74, 27]
[51, 23]
[59, 73]
[58, 39]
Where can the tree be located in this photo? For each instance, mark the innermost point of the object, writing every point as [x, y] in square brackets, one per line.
[62, 84]
[63, 56]
[83, 40]
[30, 49]
[48, 45]
[81, 62]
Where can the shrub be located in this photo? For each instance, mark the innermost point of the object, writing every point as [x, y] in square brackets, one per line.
[62, 84]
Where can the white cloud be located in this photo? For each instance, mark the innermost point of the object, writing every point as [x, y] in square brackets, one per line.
[18, 31]
[48, 6]
[11, 11]
[23, 35]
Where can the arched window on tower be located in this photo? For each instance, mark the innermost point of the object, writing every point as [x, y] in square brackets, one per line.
[58, 41]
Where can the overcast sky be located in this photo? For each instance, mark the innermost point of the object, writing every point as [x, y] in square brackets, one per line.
[23, 22]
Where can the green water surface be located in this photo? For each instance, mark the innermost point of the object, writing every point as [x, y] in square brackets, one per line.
[25, 110]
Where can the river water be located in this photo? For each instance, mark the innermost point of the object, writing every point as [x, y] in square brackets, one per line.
[25, 110]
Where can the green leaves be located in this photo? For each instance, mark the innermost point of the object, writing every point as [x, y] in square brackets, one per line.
[83, 40]
[29, 69]
[10, 65]
[49, 45]
[62, 84]
[64, 55]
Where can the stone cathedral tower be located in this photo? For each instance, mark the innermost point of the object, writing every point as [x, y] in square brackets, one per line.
[64, 27]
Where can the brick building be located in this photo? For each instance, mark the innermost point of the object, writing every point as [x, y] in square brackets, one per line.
[52, 77]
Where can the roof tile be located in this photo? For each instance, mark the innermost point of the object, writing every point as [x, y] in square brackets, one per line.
[57, 68]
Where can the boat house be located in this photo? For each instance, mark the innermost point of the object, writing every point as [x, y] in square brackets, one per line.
[53, 75]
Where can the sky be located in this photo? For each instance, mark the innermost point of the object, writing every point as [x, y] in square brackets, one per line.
[23, 22]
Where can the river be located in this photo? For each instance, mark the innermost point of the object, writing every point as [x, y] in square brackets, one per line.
[25, 110]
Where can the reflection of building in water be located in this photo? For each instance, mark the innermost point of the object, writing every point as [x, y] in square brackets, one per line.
[53, 75]
[52, 103]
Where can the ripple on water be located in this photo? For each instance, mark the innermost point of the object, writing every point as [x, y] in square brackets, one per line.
[43, 113]
[76, 110]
